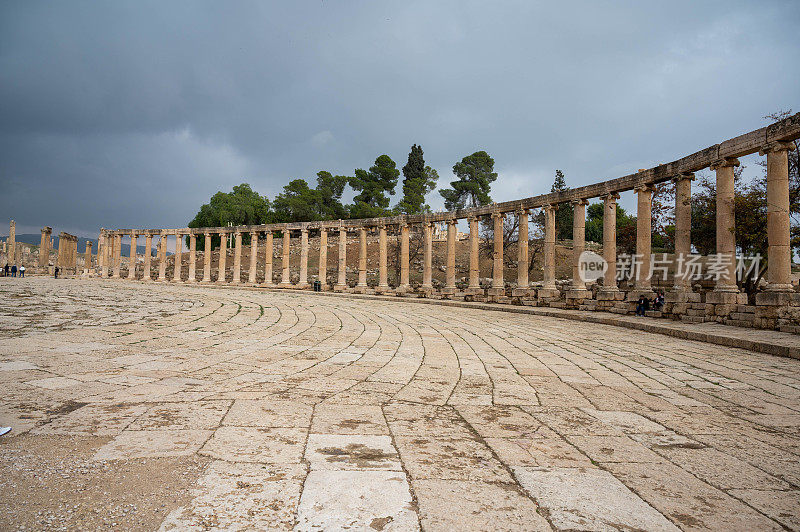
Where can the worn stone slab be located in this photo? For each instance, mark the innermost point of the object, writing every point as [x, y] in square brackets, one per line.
[589, 499]
[361, 500]
[351, 452]
[251, 444]
[152, 443]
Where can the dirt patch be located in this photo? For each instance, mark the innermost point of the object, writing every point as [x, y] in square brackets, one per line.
[51, 482]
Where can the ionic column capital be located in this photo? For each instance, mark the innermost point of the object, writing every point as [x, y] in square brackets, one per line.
[683, 177]
[610, 197]
[452, 221]
[645, 188]
[498, 214]
[550, 207]
[522, 212]
[725, 162]
[774, 147]
[577, 202]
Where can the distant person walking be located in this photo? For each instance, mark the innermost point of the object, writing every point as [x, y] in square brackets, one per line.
[56, 270]
[14, 270]
[22, 271]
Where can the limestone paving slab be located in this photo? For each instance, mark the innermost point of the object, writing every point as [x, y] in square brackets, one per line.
[318, 412]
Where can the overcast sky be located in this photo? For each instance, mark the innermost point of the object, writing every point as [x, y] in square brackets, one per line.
[132, 114]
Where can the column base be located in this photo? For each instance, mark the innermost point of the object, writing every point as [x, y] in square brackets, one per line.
[385, 289]
[402, 290]
[775, 298]
[523, 292]
[360, 289]
[474, 291]
[577, 293]
[425, 291]
[723, 297]
[302, 286]
[610, 294]
[548, 294]
[340, 288]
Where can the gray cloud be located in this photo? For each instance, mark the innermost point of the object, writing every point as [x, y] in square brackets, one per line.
[133, 114]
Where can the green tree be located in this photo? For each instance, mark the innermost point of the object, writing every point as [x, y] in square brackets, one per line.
[242, 206]
[626, 227]
[330, 189]
[475, 177]
[372, 186]
[564, 212]
[418, 180]
[297, 203]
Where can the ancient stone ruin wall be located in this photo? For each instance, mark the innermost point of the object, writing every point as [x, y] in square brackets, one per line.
[776, 306]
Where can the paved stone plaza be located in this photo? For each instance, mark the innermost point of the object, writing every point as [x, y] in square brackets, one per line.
[144, 406]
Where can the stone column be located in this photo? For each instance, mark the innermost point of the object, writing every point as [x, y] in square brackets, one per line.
[610, 242]
[683, 224]
[101, 252]
[176, 271]
[192, 258]
[362, 260]
[251, 273]
[148, 252]
[341, 283]
[427, 268]
[383, 259]
[285, 273]
[303, 283]
[207, 252]
[522, 250]
[644, 236]
[223, 257]
[474, 258]
[12, 243]
[117, 254]
[44, 248]
[779, 255]
[162, 257]
[132, 260]
[405, 284]
[498, 283]
[87, 258]
[578, 242]
[323, 258]
[237, 258]
[726, 224]
[450, 282]
[268, 252]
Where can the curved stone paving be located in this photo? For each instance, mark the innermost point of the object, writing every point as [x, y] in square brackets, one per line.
[330, 412]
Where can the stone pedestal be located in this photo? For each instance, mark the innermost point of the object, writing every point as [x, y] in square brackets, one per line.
[778, 298]
[605, 294]
[548, 294]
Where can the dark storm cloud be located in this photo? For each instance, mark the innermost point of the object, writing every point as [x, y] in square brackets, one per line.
[132, 114]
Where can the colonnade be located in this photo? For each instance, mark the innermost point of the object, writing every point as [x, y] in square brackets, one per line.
[774, 142]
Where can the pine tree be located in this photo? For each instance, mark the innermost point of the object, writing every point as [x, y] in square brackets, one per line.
[564, 214]
[475, 177]
[418, 180]
[372, 186]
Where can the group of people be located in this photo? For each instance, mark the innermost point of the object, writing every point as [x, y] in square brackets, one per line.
[12, 270]
[644, 304]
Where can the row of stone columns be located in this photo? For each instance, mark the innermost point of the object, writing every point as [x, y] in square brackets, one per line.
[778, 232]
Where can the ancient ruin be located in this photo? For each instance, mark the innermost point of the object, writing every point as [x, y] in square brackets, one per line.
[777, 306]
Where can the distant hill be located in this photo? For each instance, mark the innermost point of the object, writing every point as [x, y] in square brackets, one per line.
[35, 239]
